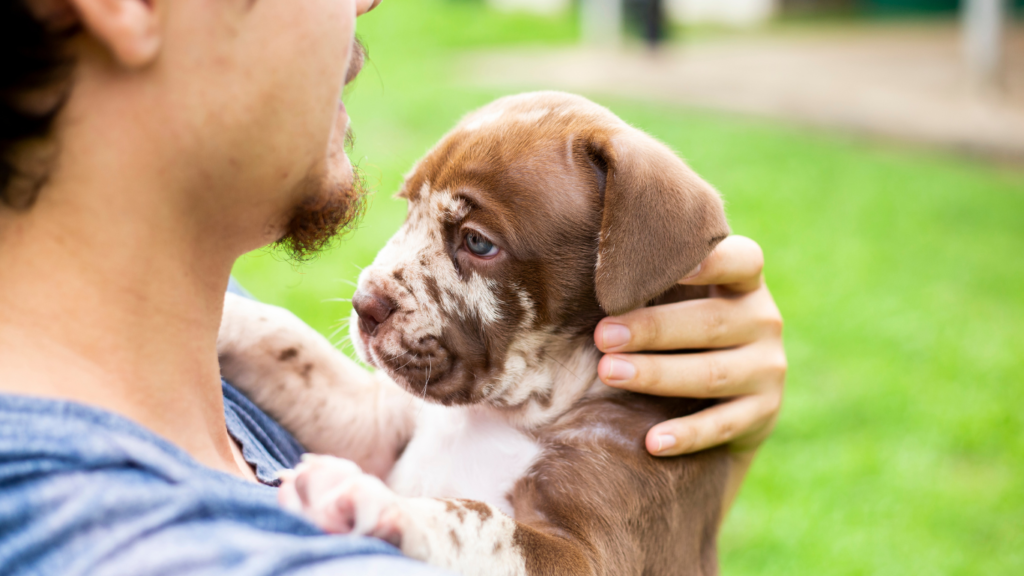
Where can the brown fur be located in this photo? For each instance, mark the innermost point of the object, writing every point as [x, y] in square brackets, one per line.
[593, 218]
[597, 497]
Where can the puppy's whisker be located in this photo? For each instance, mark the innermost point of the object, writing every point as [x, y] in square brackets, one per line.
[559, 362]
[411, 358]
[339, 330]
[392, 356]
[348, 349]
[426, 383]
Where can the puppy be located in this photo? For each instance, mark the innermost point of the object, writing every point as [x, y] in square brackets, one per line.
[535, 217]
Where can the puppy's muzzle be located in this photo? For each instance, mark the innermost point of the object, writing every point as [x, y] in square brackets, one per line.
[373, 310]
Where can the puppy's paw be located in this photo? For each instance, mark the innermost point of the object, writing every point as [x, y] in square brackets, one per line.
[338, 497]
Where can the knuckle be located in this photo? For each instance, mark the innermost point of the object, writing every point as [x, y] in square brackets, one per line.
[769, 408]
[717, 376]
[650, 327]
[778, 365]
[773, 323]
[715, 325]
[723, 429]
[773, 404]
[770, 402]
[648, 374]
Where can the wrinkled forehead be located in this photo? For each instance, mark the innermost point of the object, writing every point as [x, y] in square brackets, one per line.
[515, 161]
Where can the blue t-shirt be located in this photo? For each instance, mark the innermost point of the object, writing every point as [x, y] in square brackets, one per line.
[86, 492]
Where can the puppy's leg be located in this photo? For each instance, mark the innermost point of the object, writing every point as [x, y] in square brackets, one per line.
[468, 537]
[328, 402]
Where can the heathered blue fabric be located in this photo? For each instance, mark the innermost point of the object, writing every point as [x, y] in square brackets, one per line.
[87, 492]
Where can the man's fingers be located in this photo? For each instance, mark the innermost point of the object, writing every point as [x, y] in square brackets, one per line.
[735, 264]
[694, 324]
[716, 374]
[734, 267]
[751, 416]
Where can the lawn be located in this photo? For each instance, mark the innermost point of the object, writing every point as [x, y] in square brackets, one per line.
[899, 272]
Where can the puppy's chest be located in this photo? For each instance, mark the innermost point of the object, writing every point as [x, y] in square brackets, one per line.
[463, 453]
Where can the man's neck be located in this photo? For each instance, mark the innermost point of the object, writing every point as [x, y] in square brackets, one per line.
[117, 314]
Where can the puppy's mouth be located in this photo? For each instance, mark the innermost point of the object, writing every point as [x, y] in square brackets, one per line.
[422, 365]
[416, 363]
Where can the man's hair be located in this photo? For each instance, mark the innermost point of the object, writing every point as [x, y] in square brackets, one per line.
[33, 59]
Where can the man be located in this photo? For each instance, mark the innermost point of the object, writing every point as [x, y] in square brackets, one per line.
[144, 146]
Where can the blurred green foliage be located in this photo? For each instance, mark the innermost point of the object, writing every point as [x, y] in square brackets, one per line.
[899, 271]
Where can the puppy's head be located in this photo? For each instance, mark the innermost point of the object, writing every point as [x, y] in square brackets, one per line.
[532, 219]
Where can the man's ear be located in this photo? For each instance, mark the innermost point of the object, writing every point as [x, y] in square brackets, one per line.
[128, 28]
[660, 219]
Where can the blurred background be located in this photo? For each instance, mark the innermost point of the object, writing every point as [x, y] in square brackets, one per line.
[875, 149]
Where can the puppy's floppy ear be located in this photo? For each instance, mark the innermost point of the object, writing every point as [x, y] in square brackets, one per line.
[660, 219]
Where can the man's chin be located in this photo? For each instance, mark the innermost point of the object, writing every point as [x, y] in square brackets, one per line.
[328, 206]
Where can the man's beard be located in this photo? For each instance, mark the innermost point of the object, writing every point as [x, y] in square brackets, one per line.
[327, 208]
[329, 202]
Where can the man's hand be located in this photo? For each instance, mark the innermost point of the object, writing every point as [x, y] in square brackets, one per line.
[742, 362]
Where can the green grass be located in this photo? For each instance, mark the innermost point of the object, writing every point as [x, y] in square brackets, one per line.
[899, 272]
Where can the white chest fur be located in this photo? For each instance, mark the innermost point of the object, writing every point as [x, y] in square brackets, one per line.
[463, 452]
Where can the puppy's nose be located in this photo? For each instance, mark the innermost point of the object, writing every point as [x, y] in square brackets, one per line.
[372, 309]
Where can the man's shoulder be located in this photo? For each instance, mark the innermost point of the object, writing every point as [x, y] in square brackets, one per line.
[83, 491]
[41, 436]
[86, 468]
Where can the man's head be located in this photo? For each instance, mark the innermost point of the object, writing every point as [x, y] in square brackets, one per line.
[231, 108]
[534, 218]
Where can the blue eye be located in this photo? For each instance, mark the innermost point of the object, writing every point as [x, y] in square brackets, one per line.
[480, 246]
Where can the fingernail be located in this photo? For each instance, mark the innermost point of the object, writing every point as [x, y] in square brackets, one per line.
[618, 370]
[694, 272]
[614, 335]
[665, 442]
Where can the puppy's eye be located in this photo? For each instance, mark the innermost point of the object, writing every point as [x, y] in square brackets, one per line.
[480, 246]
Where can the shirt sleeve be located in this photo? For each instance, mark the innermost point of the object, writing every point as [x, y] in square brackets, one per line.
[123, 522]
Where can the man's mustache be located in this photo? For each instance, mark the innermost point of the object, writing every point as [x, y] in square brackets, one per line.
[356, 60]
